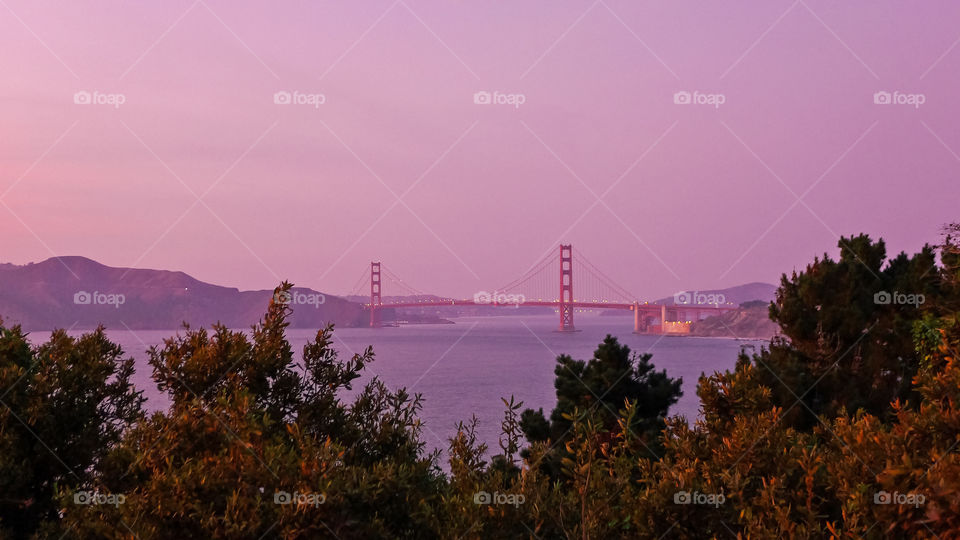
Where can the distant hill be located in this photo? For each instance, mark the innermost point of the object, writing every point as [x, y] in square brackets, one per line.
[751, 292]
[76, 292]
[750, 322]
[734, 295]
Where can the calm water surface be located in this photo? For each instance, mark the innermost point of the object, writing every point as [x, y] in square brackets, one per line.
[464, 369]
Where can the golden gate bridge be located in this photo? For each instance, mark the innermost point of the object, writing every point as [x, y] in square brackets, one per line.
[550, 283]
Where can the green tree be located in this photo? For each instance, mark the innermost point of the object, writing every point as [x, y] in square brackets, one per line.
[248, 428]
[63, 405]
[604, 385]
[846, 339]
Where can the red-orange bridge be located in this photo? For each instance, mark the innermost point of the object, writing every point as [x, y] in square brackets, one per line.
[597, 291]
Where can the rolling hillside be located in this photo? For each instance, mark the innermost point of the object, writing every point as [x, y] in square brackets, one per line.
[76, 292]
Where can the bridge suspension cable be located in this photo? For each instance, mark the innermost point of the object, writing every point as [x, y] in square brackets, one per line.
[397, 281]
[362, 285]
[536, 284]
[603, 289]
[566, 283]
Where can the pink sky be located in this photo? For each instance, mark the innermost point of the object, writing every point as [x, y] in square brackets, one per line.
[693, 196]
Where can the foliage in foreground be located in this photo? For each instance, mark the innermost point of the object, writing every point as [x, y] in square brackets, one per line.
[846, 428]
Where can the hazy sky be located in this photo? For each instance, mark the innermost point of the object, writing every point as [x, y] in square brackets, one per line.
[398, 163]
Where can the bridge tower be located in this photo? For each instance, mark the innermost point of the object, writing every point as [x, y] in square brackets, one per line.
[566, 288]
[375, 299]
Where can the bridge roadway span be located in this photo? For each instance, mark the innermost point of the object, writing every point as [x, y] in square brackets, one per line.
[643, 313]
[647, 318]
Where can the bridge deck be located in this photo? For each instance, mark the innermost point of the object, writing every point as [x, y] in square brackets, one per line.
[652, 308]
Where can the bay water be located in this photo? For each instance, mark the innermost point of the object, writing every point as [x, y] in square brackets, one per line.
[465, 368]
